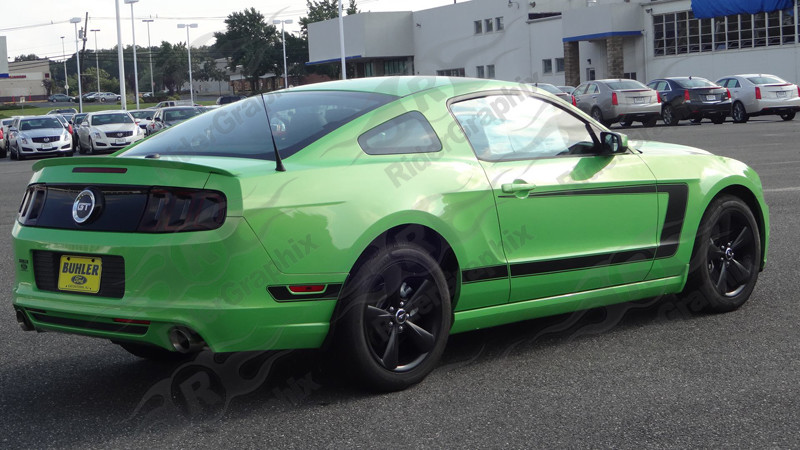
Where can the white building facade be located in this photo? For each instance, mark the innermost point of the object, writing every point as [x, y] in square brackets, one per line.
[564, 41]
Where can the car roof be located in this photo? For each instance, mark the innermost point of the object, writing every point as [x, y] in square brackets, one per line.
[399, 86]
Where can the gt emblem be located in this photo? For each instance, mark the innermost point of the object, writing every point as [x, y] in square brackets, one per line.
[87, 206]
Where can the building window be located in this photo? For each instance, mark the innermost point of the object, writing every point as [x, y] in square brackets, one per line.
[488, 25]
[498, 24]
[559, 64]
[629, 75]
[451, 72]
[479, 73]
[547, 66]
[394, 67]
[680, 32]
[490, 71]
[478, 26]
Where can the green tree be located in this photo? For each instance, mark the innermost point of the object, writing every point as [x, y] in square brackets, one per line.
[172, 64]
[324, 10]
[250, 43]
[28, 57]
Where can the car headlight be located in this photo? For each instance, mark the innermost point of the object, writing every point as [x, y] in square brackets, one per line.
[65, 136]
[24, 140]
[97, 134]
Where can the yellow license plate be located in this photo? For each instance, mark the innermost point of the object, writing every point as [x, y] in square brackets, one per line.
[80, 274]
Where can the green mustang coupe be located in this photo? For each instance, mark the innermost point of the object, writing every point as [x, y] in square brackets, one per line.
[373, 218]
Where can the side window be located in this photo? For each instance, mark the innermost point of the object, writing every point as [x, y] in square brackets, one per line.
[517, 127]
[594, 89]
[580, 90]
[734, 83]
[653, 85]
[407, 133]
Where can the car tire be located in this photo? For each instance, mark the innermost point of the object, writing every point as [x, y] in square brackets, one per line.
[738, 113]
[696, 120]
[718, 119]
[152, 352]
[626, 123]
[2, 153]
[788, 116]
[20, 156]
[394, 319]
[90, 149]
[598, 116]
[726, 257]
[651, 122]
[668, 116]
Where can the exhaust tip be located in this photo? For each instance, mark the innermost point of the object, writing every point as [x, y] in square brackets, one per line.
[23, 321]
[185, 340]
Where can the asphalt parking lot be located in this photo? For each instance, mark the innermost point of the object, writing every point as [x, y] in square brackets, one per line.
[649, 374]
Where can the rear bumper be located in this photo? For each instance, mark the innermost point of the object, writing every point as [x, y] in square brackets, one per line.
[704, 109]
[214, 283]
[641, 112]
[767, 107]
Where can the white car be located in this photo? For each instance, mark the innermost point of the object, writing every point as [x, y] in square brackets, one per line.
[4, 124]
[761, 94]
[107, 131]
[38, 136]
[143, 117]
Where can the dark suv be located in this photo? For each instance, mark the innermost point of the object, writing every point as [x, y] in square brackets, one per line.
[693, 98]
[225, 99]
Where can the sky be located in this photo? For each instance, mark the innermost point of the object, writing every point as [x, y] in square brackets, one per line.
[38, 25]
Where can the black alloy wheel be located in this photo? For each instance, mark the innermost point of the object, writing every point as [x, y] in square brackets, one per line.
[738, 113]
[668, 115]
[788, 116]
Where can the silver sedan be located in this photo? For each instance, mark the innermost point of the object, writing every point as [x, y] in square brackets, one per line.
[618, 100]
[761, 94]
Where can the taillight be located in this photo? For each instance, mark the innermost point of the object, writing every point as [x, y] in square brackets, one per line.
[686, 95]
[728, 91]
[70, 130]
[172, 210]
[574, 103]
[614, 100]
[658, 97]
[758, 93]
[1, 133]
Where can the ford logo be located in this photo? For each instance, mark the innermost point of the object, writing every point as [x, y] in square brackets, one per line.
[79, 280]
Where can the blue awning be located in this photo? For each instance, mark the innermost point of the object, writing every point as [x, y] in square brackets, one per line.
[705, 9]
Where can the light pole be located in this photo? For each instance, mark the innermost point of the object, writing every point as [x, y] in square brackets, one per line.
[189, 50]
[64, 54]
[150, 52]
[123, 98]
[76, 21]
[135, 69]
[283, 40]
[341, 41]
[96, 59]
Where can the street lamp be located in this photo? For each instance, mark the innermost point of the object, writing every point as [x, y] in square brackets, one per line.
[341, 41]
[283, 40]
[64, 54]
[150, 52]
[76, 21]
[189, 50]
[120, 63]
[135, 70]
[96, 59]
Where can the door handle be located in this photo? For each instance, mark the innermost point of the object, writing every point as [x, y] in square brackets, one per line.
[517, 186]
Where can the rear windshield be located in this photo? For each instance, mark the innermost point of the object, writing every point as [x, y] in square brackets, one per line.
[625, 84]
[239, 129]
[695, 82]
[39, 123]
[141, 114]
[549, 88]
[765, 80]
[181, 114]
[106, 119]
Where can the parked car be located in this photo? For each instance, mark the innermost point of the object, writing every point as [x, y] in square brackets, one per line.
[143, 117]
[4, 125]
[63, 111]
[220, 234]
[172, 115]
[107, 131]
[554, 90]
[693, 98]
[761, 94]
[103, 97]
[59, 98]
[31, 136]
[89, 96]
[618, 100]
[168, 103]
[75, 121]
[225, 99]
[566, 89]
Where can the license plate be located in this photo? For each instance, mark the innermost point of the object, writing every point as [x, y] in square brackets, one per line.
[711, 98]
[781, 94]
[80, 274]
[639, 99]
[46, 149]
[120, 142]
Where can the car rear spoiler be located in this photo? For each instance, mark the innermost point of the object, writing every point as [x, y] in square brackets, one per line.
[128, 162]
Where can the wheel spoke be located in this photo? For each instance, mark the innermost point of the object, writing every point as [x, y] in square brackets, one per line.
[421, 292]
[740, 272]
[420, 337]
[389, 359]
[722, 284]
[743, 238]
[714, 251]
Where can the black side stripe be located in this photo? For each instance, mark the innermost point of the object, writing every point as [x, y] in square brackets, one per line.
[484, 274]
[282, 293]
[667, 247]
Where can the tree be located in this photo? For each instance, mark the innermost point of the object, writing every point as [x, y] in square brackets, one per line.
[250, 43]
[324, 10]
[172, 63]
[28, 57]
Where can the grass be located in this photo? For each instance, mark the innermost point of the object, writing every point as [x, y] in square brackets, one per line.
[41, 108]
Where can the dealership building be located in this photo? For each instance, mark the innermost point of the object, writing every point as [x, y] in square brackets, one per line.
[569, 41]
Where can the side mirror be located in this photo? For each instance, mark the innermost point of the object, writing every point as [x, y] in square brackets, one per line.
[148, 118]
[612, 143]
[157, 119]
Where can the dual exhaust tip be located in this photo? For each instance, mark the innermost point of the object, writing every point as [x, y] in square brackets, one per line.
[185, 340]
[23, 321]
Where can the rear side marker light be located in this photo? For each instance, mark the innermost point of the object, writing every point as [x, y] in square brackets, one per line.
[614, 99]
[133, 321]
[307, 289]
[758, 93]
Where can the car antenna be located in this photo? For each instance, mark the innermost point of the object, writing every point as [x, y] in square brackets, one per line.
[278, 162]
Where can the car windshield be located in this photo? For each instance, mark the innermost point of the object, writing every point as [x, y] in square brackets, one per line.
[181, 114]
[549, 88]
[106, 119]
[765, 80]
[39, 123]
[695, 83]
[625, 84]
[297, 119]
[141, 114]
[77, 118]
